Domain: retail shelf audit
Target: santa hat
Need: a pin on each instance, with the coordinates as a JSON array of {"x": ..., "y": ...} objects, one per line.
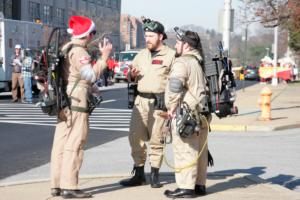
[{"x": 80, "y": 26}]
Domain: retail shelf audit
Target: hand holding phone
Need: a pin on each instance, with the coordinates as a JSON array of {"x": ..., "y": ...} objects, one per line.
[{"x": 105, "y": 47}]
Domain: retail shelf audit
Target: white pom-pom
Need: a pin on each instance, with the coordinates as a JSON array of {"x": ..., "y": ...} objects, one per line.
[
  {"x": 70, "y": 31},
  {"x": 87, "y": 73}
]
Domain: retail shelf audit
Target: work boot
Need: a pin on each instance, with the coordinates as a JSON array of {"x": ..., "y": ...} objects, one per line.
[
  {"x": 154, "y": 180},
  {"x": 73, "y": 194},
  {"x": 200, "y": 190},
  {"x": 137, "y": 179},
  {"x": 55, "y": 192},
  {"x": 180, "y": 193}
]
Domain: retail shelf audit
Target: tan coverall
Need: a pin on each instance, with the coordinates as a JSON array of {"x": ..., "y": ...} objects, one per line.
[
  {"x": 17, "y": 78},
  {"x": 71, "y": 135},
  {"x": 186, "y": 150},
  {"x": 146, "y": 123}
]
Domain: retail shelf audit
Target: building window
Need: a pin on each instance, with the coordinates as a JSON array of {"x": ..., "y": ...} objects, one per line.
[
  {"x": 6, "y": 8},
  {"x": 2, "y": 6},
  {"x": 47, "y": 14},
  {"x": 100, "y": 2},
  {"x": 108, "y": 3},
  {"x": 114, "y": 4},
  {"x": 59, "y": 16},
  {"x": 34, "y": 11}
]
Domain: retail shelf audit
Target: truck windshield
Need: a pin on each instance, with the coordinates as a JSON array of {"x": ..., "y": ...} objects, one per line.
[{"x": 126, "y": 56}]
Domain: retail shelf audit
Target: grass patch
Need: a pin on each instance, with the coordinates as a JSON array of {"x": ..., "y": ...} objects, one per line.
[{"x": 295, "y": 83}]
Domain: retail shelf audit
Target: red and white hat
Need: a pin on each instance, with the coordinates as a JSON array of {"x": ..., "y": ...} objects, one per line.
[{"x": 80, "y": 26}]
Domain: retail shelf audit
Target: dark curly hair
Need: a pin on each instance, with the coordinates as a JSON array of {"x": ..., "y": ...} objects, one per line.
[{"x": 196, "y": 44}]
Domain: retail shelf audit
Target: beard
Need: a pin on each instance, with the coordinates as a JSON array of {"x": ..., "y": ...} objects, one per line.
[
  {"x": 177, "y": 54},
  {"x": 153, "y": 46}
]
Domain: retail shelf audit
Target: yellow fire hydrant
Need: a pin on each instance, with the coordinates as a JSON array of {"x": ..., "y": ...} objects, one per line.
[{"x": 265, "y": 104}]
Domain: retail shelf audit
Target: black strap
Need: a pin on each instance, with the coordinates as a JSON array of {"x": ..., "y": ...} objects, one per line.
[
  {"x": 147, "y": 95},
  {"x": 64, "y": 54}
]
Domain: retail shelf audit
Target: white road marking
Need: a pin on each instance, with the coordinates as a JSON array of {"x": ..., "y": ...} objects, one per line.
[{"x": 101, "y": 119}]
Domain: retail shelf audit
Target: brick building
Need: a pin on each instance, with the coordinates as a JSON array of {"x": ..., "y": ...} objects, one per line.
[
  {"x": 132, "y": 33},
  {"x": 55, "y": 13}
]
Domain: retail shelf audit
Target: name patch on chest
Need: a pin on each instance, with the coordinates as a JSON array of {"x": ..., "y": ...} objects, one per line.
[{"x": 157, "y": 62}]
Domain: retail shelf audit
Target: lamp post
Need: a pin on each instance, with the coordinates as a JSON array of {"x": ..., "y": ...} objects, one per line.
[
  {"x": 226, "y": 24},
  {"x": 274, "y": 79},
  {"x": 268, "y": 51}
]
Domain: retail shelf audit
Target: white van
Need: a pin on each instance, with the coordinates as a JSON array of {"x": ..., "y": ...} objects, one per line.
[{"x": 13, "y": 32}]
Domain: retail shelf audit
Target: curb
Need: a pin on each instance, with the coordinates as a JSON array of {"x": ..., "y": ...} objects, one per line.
[
  {"x": 250, "y": 177},
  {"x": 250, "y": 128}
]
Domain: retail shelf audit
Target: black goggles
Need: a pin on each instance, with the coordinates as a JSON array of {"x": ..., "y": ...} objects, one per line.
[
  {"x": 151, "y": 26},
  {"x": 93, "y": 32},
  {"x": 181, "y": 35}
]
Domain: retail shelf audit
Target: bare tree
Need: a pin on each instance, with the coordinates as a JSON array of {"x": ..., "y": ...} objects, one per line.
[{"x": 271, "y": 13}]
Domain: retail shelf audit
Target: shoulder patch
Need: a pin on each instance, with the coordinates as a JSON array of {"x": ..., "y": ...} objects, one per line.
[{"x": 85, "y": 60}]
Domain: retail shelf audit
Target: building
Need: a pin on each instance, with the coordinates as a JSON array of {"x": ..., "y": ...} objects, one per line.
[
  {"x": 55, "y": 13},
  {"x": 132, "y": 33}
]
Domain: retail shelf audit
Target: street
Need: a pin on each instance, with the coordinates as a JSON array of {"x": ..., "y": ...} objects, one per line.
[{"x": 26, "y": 138}]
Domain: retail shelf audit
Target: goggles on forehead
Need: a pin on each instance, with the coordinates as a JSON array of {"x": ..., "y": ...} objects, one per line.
[
  {"x": 149, "y": 25},
  {"x": 181, "y": 35},
  {"x": 153, "y": 26}
]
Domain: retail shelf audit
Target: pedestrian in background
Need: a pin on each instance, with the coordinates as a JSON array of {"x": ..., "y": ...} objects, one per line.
[
  {"x": 111, "y": 63},
  {"x": 27, "y": 68},
  {"x": 150, "y": 68},
  {"x": 16, "y": 63}
]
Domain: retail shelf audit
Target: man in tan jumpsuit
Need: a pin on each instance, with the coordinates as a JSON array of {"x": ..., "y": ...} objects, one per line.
[
  {"x": 16, "y": 63},
  {"x": 150, "y": 68},
  {"x": 71, "y": 135},
  {"x": 188, "y": 85}
]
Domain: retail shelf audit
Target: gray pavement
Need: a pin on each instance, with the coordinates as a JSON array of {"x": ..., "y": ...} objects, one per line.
[
  {"x": 238, "y": 152},
  {"x": 220, "y": 186}
]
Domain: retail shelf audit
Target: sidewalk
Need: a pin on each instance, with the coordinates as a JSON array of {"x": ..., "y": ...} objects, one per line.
[
  {"x": 285, "y": 111},
  {"x": 219, "y": 187}
]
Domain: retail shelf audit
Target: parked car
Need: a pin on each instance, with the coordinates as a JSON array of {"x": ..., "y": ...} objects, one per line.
[
  {"x": 121, "y": 69},
  {"x": 251, "y": 73}
]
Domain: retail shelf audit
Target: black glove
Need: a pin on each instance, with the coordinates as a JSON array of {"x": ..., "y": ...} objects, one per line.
[
  {"x": 159, "y": 103},
  {"x": 210, "y": 159}
]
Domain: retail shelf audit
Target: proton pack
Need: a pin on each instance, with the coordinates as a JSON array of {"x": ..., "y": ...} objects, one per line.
[
  {"x": 48, "y": 73},
  {"x": 221, "y": 85}
]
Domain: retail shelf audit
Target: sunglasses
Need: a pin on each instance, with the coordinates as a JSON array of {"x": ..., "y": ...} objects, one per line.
[{"x": 93, "y": 32}]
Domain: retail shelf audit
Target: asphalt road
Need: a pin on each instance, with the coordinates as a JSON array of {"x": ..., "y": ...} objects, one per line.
[{"x": 26, "y": 144}]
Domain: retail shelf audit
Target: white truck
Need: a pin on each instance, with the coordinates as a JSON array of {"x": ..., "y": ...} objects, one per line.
[{"x": 12, "y": 32}]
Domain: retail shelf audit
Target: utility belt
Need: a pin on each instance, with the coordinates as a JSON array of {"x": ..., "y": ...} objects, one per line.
[
  {"x": 17, "y": 69},
  {"x": 146, "y": 95},
  {"x": 159, "y": 103},
  {"x": 92, "y": 101}
]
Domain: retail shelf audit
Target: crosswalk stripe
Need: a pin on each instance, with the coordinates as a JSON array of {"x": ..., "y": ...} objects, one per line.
[{"x": 101, "y": 119}]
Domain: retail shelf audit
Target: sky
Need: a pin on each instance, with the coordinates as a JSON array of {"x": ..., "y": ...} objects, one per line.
[{"x": 173, "y": 13}]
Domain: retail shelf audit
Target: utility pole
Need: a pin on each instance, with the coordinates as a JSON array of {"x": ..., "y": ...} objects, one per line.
[
  {"x": 226, "y": 24},
  {"x": 275, "y": 79}
]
